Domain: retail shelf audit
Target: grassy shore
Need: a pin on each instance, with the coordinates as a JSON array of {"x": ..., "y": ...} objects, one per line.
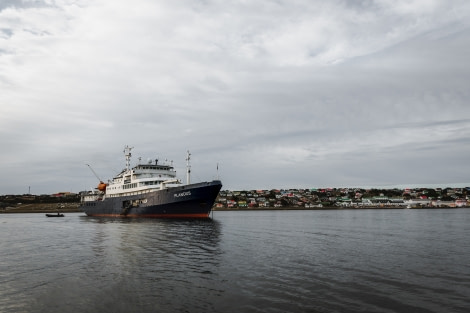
[{"x": 41, "y": 208}]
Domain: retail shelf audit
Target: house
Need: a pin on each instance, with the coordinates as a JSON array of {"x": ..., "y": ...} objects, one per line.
[{"x": 242, "y": 204}]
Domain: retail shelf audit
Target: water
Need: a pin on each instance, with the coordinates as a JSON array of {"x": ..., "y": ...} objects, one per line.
[{"x": 260, "y": 261}]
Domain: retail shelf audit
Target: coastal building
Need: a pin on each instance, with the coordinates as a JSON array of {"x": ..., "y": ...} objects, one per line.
[{"x": 242, "y": 204}]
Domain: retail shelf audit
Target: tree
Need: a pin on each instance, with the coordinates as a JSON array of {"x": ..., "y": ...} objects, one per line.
[{"x": 431, "y": 193}]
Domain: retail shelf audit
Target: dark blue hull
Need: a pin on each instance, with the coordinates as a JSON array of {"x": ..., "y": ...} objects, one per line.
[{"x": 189, "y": 201}]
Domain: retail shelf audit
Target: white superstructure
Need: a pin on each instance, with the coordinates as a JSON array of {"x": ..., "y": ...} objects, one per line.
[{"x": 142, "y": 178}]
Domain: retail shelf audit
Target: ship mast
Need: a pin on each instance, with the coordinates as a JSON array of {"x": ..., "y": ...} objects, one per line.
[
  {"x": 127, "y": 153},
  {"x": 188, "y": 168}
]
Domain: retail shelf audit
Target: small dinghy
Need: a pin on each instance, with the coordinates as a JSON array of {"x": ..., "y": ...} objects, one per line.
[{"x": 54, "y": 215}]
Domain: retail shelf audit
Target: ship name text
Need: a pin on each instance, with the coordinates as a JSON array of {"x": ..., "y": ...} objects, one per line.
[{"x": 182, "y": 194}]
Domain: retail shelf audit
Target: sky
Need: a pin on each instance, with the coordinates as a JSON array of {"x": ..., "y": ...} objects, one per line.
[{"x": 264, "y": 94}]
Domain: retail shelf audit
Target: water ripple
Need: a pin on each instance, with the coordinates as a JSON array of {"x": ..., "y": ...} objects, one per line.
[{"x": 261, "y": 261}]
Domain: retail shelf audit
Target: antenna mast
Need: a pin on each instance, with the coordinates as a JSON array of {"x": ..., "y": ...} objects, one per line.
[
  {"x": 127, "y": 153},
  {"x": 188, "y": 168}
]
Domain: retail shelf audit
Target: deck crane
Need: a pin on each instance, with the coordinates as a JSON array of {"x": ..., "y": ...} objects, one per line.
[{"x": 101, "y": 185}]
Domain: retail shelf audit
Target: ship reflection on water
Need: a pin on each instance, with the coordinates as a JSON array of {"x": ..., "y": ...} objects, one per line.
[
  {"x": 117, "y": 265},
  {"x": 153, "y": 265}
]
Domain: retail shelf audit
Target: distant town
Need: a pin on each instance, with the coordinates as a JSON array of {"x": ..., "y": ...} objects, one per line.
[
  {"x": 315, "y": 198},
  {"x": 343, "y": 197}
]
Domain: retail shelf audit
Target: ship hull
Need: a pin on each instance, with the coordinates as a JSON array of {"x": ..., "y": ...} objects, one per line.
[{"x": 189, "y": 201}]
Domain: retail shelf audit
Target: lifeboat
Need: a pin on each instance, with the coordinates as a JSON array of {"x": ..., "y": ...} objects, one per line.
[{"x": 101, "y": 186}]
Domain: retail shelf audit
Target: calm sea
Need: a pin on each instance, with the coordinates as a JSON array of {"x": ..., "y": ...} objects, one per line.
[{"x": 260, "y": 261}]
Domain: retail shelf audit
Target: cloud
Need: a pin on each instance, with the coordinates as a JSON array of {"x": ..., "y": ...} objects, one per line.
[{"x": 278, "y": 92}]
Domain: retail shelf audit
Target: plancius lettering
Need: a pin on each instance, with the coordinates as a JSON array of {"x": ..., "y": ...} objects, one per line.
[{"x": 182, "y": 194}]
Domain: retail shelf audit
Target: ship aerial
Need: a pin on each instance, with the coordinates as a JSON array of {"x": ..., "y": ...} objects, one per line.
[{"x": 150, "y": 190}]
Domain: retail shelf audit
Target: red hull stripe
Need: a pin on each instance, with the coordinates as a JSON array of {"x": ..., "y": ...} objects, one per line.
[{"x": 193, "y": 215}]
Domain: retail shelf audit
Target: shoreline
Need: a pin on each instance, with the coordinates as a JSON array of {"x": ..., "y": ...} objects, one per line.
[
  {"x": 73, "y": 208},
  {"x": 41, "y": 208},
  {"x": 336, "y": 208}
]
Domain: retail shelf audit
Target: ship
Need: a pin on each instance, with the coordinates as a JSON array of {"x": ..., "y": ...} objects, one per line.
[{"x": 150, "y": 189}]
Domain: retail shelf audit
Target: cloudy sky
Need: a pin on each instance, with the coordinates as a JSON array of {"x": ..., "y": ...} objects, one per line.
[{"x": 278, "y": 93}]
